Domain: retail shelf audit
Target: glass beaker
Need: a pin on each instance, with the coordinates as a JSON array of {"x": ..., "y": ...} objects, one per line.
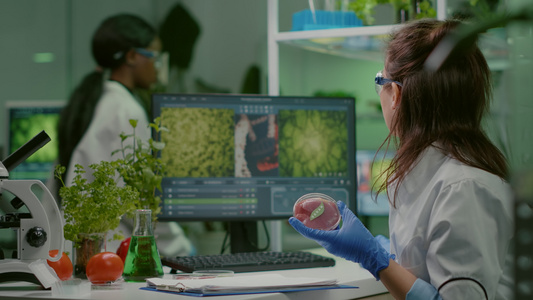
[
  {"x": 143, "y": 259},
  {"x": 88, "y": 246}
]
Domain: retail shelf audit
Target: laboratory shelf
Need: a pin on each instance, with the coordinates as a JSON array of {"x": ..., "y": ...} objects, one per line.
[{"x": 333, "y": 33}]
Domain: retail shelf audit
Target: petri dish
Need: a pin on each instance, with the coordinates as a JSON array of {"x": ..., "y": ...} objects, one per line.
[
  {"x": 71, "y": 287},
  {"x": 317, "y": 211}
]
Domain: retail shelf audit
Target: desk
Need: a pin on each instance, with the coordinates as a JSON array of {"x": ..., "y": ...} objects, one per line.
[{"x": 346, "y": 272}]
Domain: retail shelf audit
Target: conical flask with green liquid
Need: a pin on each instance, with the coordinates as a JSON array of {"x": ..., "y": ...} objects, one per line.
[{"x": 143, "y": 259}]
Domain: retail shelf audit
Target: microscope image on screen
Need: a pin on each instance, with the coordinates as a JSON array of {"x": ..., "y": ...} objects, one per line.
[
  {"x": 24, "y": 120},
  {"x": 24, "y": 128},
  {"x": 200, "y": 142},
  {"x": 370, "y": 167},
  {"x": 313, "y": 143},
  {"x": 250, "y": 157},
  {"x": 370, "y": 170},
  {"x": 256, "y": 145}
]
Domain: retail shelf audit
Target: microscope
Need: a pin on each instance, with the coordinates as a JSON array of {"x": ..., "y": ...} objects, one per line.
[{"x": 30, "y": 209}]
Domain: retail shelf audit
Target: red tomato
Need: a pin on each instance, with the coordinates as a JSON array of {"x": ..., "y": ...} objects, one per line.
[
  {"x": 63, "y": 266},
  {"x": 122, "y": 250},
  {"x": 104, "y": 267}
]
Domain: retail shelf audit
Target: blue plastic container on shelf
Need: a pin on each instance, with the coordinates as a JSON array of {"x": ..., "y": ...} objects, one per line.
[{"x": 303, "y": 20}]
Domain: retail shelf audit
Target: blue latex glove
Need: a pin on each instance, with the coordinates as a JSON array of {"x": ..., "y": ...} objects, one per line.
[
  {"x": 352, "y": 241},
  {"x": 383, "y": 241}
]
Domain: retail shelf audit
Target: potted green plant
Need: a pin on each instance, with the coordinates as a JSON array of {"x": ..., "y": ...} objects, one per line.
[
  {"x": 364, "y": 9},
  {"x": 405, "y": 9},
  {"x": 92, "y": 208},
  {"x": 141, "y": 167}
]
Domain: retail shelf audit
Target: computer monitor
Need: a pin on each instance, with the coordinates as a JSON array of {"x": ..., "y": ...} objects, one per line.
[
  {"x": 25, "y": 119},
  {"x": 370, "y": 164},
  {"x": 244, "y": 158}
]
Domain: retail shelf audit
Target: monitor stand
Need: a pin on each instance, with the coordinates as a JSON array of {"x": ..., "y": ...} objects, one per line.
[{"x": 243, "y": 236}]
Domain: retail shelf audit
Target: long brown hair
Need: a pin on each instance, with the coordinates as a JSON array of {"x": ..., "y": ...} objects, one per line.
[{"x": 443, "y": 108}]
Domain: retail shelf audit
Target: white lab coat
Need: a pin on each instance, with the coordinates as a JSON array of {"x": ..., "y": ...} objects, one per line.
[
  {"x": 111, "y": 118},
  {"x": 452, "y": 227}
]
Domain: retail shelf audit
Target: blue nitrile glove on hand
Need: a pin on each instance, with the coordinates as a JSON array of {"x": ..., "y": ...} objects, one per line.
[
  {"x": 383, "y": 241},
  {"x": 352, "y": 241}
]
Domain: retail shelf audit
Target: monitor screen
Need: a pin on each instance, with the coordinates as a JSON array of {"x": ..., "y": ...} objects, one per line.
[
  {"x": 25, "y": 119},
  {"x": 245, "y": 158},
  {"x": 369, "y": 167}
]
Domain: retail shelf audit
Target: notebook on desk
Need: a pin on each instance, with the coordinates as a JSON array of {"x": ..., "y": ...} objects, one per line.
[{"x": 246, "y": 284}]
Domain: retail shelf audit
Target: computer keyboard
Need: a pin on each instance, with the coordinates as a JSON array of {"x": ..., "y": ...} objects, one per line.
[{"x": 248, "y": 261}]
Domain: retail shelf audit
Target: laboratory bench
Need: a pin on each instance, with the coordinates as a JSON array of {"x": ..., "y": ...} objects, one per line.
[{"x": 346, "y": 272}]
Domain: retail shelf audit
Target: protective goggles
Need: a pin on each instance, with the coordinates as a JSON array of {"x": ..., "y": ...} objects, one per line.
[
  {"x": 155, "y": 55},
  {"x": 380, "y": 81}
]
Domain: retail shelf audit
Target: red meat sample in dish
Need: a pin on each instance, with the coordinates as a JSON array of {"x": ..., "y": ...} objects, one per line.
[{"x": 317, "y": 211}]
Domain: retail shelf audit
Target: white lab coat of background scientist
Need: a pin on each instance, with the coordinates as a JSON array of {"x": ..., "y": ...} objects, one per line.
[{"x": 111, "y": 118}]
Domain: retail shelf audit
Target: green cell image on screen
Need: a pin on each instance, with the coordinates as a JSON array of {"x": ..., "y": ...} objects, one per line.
[
  {"x": 313, "y": 143},
  {"x": 23, "y": 129},
  {"x": 200, "y": 142},
  {"x": 378, "y": 167}
]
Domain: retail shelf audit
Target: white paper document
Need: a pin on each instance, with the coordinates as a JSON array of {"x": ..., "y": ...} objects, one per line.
[{"x": 263, "y": 282}]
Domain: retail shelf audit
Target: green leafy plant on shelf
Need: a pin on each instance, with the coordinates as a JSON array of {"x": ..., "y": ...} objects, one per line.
[
  {"x": 93, "y": 207},
  {"x": 141, "y": 168},
  {"x": 425, "y": 10},
  {"x": 364, "y": 9}
]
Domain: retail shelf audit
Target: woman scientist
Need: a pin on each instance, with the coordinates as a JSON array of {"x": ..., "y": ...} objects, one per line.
[
  {"x": 99, "y": 109},
  {"x": 450, "y": 217},
  {"x": 125, "y": 48}
]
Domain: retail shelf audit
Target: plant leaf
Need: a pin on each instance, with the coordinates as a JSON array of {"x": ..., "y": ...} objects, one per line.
[
  {"x": 158, "y": 145},
  {"x": 133, "y": 123}
]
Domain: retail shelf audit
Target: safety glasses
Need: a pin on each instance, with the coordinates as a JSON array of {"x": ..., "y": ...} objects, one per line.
[
  {"x": 380, "y": 81},
  {"x": 147, "y": 53},
  {"x": 156, "y": 56}
]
